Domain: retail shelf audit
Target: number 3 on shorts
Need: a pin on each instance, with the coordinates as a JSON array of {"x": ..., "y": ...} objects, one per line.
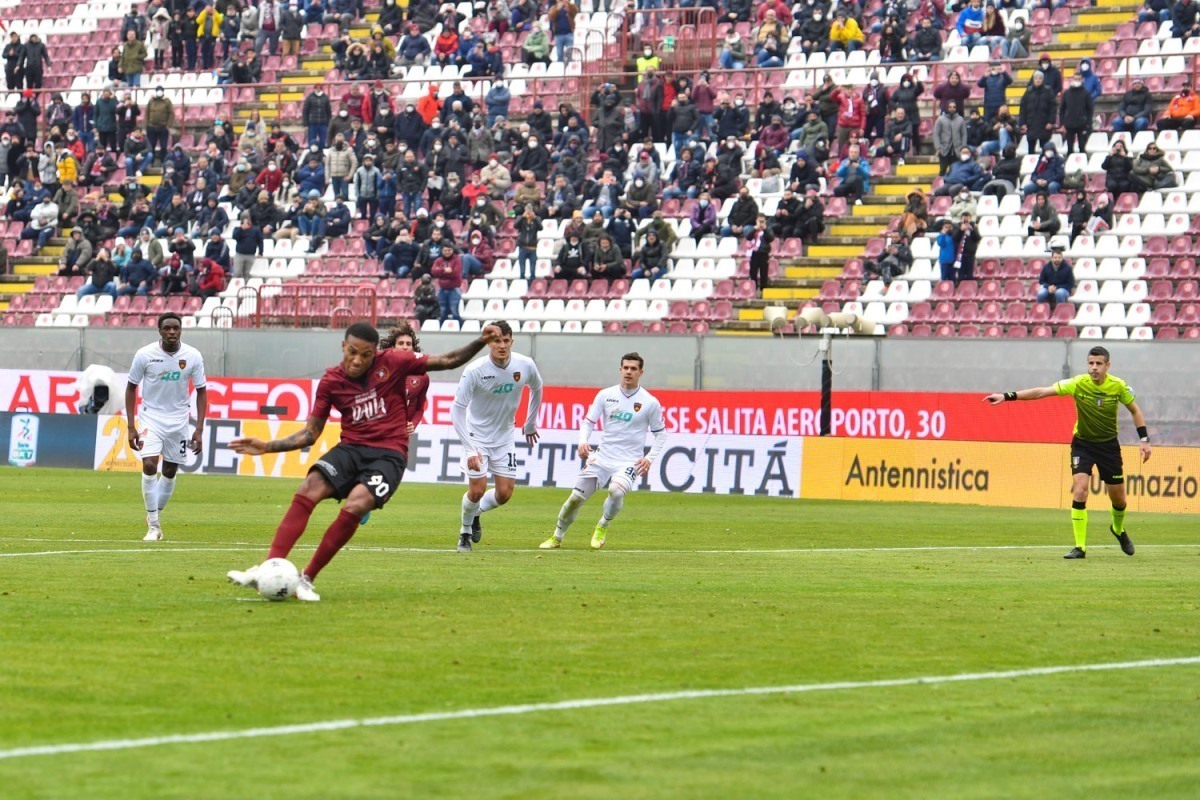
[{"x": 376, "y": 483}]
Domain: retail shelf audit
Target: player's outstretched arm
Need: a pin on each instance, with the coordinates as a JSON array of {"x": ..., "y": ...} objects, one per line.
[
  {"x": 456, "y": 358},
  {"x": 1036, "y": 393},
  {"x": 253, "y": 446}
]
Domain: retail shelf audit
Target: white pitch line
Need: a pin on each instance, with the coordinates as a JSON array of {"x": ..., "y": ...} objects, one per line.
[
  {"x": 243, "y": 547},
  {"x": 574, "y": 705}
]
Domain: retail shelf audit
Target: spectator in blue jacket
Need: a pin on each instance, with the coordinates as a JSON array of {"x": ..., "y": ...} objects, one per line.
[
  {"x": 963, "y": 173},
  {"x": 1048, "y": 173},
  {"x": 1185, "y": 20},
  {"x": 497, "y": 101},
  {"x": 137, "y": 276},
  {"x": 1090, "y": 81},
  {"x": 414, "y": 48},
  {"x": 855, "y": 174},
  {"x": 995, "y": 85},
  {"x": 310, "y": 176},
  {"x": 947, "y": 251},
  {"x": 970, "y": 23}
]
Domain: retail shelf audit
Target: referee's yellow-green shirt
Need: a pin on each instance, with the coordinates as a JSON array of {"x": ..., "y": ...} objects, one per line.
[{"x": 1096, "y": 405}]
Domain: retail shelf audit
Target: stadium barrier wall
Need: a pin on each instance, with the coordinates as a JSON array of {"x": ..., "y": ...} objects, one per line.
[
  {"x": 1025, "y": 475},
  {"x": 1163, "y": 373}
]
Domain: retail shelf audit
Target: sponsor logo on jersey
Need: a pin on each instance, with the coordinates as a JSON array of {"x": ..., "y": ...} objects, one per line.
[
  {"x": 486, "y": 377},
  {"x": 637, "y": 406},
  {"x": 183, "y": 363},
  {"x": 516, "y": 376},
  {"x": 610, "y": 400}
]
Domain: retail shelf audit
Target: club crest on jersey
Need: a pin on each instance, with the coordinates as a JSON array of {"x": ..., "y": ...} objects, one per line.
[
  {"x": 637, "y": 407},
  {"x": 183, "y": 363},
  {"x": 516, "y": 376},
  {"x": 382, "y": 373}
]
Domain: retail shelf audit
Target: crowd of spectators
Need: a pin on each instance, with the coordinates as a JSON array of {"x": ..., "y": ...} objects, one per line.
[{"x": 440, "y": 186}]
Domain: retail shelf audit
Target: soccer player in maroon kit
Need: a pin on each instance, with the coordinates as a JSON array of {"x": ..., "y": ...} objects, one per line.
[{"x": 370, "y": 390}]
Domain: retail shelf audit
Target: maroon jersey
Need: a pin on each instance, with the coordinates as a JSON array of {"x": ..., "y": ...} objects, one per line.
[
  {"x": 416, "y": 386},
  {"x": 375, "y": 407}
]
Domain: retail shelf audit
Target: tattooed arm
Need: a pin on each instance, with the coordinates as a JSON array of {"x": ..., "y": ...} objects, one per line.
[
  {"x": 306, "y": 437},
  {"x": 456, "y": 358}
]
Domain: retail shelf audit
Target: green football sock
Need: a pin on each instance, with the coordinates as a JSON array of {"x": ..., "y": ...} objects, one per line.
[
  {"x": 1079, "y": 526},
  {"x": 1118, "y": 518}
]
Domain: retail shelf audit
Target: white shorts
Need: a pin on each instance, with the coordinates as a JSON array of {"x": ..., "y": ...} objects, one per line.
[
  {"x": 624, "y": 474},
  {"x": 499, "y": 460},
  {"x": 170, "y": 443}
]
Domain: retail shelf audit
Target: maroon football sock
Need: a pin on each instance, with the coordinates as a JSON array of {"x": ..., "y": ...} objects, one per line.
[
  {"x": 335, "y": 539},
  {"x": 291, "y": 528}
]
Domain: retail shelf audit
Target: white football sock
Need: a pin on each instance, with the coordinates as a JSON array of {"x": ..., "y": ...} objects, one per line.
[
  {"x": 166, "y": 487},
  {"x": 469, "y": 511},
  {"x": 488, "y": 501},
  {"x": 568, "y": 512},
  {"x": 612, "y": 506},
  {"x": 150, "y": 497}
]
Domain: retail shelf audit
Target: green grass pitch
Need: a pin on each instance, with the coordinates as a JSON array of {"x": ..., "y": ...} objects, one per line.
[{"x": 103, "y": 637}]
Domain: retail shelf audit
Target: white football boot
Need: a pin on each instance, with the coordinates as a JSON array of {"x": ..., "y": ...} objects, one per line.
[
  {"x": 247, "y": 578},
  {"x": 305, "y": 591},
  {"x": 153, "y": 532}
]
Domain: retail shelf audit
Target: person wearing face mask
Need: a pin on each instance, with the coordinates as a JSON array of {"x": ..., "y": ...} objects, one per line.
[
  {"x": 647, "y": 61},
  {"x": 1075, "y": 113},
  {"x": 892, "y": 41},
  {"x": 1182, "y": 112},
  {"x": 341, "y": 165},
  {"x": 1039, "y": 112},
  {"x": 315, "y": 114},
  {"x": 814, "y": 33},
  {"x": 949, "y": 137},
  {"x": 964, "y": 176},
  {"x": 160, "y": 116},
  {"x": 1051, "y": 75},
  {"x": 995, "y": 90},
  {"x": 1048, "y": 173},
  {"x": 1016, "y": 41},
  {"x": 1079, "y": 214}
]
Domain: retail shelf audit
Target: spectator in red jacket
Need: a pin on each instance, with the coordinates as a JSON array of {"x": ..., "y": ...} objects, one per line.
[
  {"x": 479, "y": 258},
  {"x": 210, "y": 279},
  {"x": 270, "y": 178},
  {"x": 447, "y": 273},
  {"x": 851, "y": 118}
]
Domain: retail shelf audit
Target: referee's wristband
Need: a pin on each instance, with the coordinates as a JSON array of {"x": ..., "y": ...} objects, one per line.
[
  {"x": 1010, "y": 395},
  {"x": 1143, "y": 434}
]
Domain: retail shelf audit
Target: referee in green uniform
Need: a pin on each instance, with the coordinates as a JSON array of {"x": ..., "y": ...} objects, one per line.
[{"x": 1094, "y": 443}]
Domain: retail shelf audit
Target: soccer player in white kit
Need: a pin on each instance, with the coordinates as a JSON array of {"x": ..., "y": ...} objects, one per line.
[
  {"x": 167, "y": 371},
  {"x": 484, "y": 413},
  {"x": 627, "y": 412}
]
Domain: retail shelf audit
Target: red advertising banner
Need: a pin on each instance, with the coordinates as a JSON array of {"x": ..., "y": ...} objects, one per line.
[{"x": 859, "y": 415}]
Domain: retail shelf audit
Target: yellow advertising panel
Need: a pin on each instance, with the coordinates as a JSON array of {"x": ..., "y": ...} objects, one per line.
[
  {"x": 992, "y": 474},
  {"x": 290, "y": 464}
]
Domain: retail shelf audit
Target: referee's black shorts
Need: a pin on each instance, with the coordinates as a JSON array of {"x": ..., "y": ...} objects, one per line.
[
  {"x": 1104, "y": 456},
  {"x": 347, "y": 465}
]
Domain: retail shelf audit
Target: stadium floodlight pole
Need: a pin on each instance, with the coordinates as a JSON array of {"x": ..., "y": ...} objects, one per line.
[{"x": 828, "y": 325}]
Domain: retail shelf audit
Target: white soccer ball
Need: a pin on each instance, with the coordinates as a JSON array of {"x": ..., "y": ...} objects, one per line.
[{"x": 277, "y": 579}]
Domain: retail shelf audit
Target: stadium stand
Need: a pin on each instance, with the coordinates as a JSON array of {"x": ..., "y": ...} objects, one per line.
[{"x": 580, "y": 92}]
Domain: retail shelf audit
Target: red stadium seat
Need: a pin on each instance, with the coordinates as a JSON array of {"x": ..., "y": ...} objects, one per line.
[
  {"x": 1016, "y": 332},
  {"x": 922, "y": 330},
  {"x": 1066, "y": 332},
  {"x": 1041, "y": 332}
]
